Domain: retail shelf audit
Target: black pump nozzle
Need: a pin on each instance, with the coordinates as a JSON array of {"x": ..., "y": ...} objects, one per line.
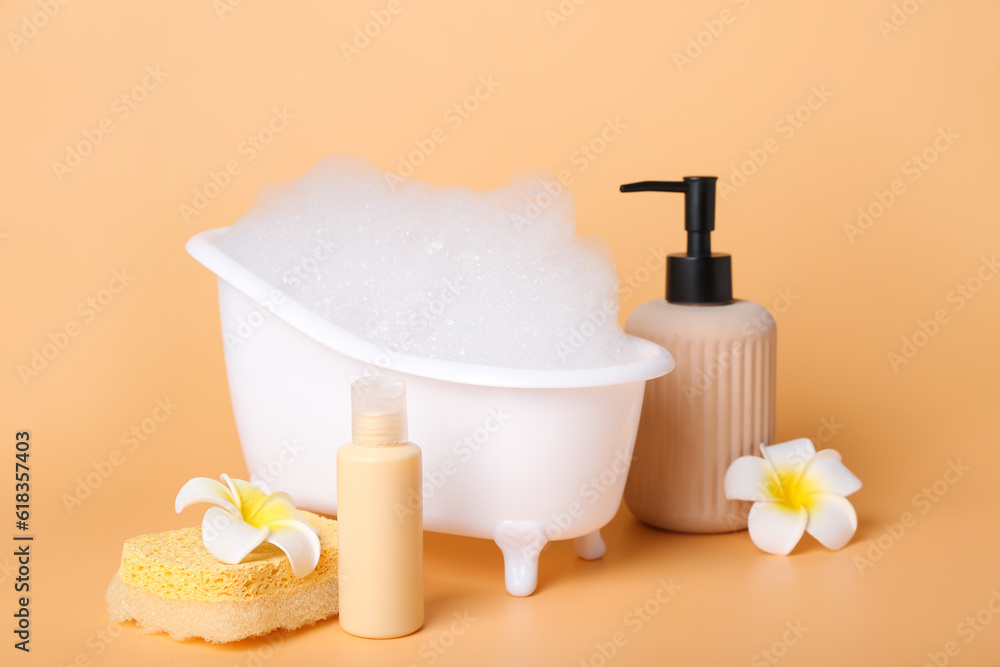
[{"x": 699, "y": 276}]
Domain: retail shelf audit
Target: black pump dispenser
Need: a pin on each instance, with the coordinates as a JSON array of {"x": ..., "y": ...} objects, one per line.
[{"x": 700, "y": 276}]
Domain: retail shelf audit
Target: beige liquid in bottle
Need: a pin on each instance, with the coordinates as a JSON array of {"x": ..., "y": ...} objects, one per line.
[
  {"x": 380, "y": 516},
  {"x": 717, "y": 405}
]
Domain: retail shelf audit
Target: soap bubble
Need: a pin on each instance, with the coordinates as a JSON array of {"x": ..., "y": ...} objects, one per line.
[{"x": 496, "y": 277}]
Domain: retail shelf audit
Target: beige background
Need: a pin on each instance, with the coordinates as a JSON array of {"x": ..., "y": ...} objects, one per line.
[{"x": 198, "y": 80}]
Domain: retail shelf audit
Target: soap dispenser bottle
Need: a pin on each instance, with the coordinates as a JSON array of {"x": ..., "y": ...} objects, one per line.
[{"x": 718, "y": 404}]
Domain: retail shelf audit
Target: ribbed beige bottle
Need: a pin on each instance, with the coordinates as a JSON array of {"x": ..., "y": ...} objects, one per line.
[
  {"x": 380, "y": 516},
  {"x": 717, "y": 405}
]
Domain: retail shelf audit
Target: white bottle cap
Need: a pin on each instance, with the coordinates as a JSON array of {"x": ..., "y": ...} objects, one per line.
[{"x": 378, "y": 411}]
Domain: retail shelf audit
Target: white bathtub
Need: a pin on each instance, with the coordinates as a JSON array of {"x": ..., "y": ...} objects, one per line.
[{"x": 521, "y": 457}]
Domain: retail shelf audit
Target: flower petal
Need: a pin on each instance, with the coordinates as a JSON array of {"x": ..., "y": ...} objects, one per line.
[
  {"x": 205, "y": 490},
  {"x": 234, "y": 492},
  {"x": 789, "y": 458},
  {"x": 832, "y": 519},
  {"x": 825, "y": 472},
  {"x": 775, "y": 527},
  {"x": 750, "y": 478},
  {"x": 250, "y": 497},
  {"x": 228, "y": 537},
  {"x": 277, "y": 506},
  {"x": 300, "y": 544}
]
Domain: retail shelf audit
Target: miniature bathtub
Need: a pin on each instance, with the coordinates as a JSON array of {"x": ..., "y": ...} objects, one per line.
[{"x": 522, "y": 457}]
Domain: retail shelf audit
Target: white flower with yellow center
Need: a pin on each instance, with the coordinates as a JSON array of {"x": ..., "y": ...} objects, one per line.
[
  {"x": 246, "y": 517},
  {"x": 795, "y": 489}
]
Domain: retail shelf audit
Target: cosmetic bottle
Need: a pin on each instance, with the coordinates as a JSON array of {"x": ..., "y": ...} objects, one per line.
[
  {"x": 718, "y": 404},
  {"x": 380, "y": 516}
]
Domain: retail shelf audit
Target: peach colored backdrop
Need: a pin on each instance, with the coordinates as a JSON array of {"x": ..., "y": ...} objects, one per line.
[{"x": 856, "y": 145}]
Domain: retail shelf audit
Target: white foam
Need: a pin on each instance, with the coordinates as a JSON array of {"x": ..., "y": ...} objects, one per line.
[{"x": 498, "y": 277}]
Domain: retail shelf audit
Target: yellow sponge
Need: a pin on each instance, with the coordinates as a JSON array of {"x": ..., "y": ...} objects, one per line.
[{"x": 169, "y": 582}]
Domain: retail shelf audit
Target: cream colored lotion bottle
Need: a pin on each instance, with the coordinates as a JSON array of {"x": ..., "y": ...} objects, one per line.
[
  {"x": 718, "y": 404},
  {"x": 380, "y": 516}
]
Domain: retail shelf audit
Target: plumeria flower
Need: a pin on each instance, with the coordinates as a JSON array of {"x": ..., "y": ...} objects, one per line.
[
  {"x": 246, "y": 517},
  {"x": 795, "y": 489}
]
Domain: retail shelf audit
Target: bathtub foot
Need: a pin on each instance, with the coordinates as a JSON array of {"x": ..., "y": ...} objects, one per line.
[
  {"x": 520, "y": 542},
  {"x": 589, "y": 546}
]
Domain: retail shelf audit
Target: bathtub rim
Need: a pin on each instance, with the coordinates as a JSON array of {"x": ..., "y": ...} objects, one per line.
[{"x": 202, "y": 247}]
